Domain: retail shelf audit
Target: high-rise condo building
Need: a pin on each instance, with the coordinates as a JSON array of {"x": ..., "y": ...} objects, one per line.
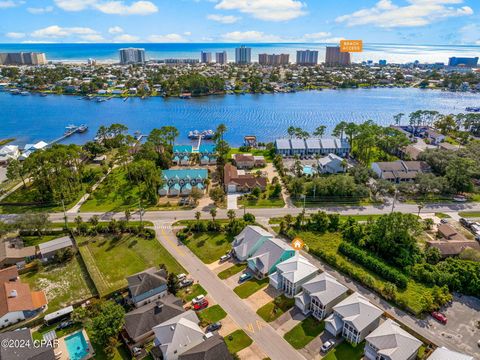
[
  {"x": 23, "y": 58},
  {"x": 307, "y": 57},
  {"x": 243, "y": 55},
  {"x": 465, "y": 62},
  {"x": 221, "y": 57},
  {"x": 334, "y": 57},
  {"x": 205, "y": 57},
  {"x": 273, "y": 59},
  {"x": 132, "y": 56}
]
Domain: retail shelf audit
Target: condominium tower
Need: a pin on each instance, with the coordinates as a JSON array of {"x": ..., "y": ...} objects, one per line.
[
  {"x": 221, "y": 57},
  {"x": 243, "y": 55},
  {"x": 132, "y": 56},
  {"x": 23, "y": 58},
  {"x": 205, "y": 57},
  {"x": 307, "y": 57},
  {"x": 334, "y": 57},
  {"x": 273, "y": 59}
]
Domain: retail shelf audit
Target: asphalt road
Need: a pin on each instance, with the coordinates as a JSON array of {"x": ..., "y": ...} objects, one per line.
[{"x": 262, "y": 333}]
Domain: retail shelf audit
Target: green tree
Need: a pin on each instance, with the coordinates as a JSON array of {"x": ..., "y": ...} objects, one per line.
[
  {"x": 459, "y": 174},
  {"x": 107, "y": 323}
]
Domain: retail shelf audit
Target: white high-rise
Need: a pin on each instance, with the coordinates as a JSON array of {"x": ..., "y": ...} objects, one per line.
[{"x": 132, "y": 56}]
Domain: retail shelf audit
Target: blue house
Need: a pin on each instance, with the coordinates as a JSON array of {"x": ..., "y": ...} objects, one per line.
[
  {"x": 147, "y": 286},
  {"x": 182, "y": 154},
  {"x": 265, "y": 260},
  {"x": 207, "y": 154},
  {"x": 180, "y": 182}
]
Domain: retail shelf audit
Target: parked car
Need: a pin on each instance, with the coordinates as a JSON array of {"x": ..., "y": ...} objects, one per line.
[
  {"x": 444, "y": 221},
  {"x": 439, "y": 317},
  {"x": 198, "y": 299},
  {"x": 245, "y": 277},
  {"x": 136, "y": 351},
  {"x": 465, "y": 222},
  {"x": 200, "y": 305},
  {"x": 327, "y": 345},
  {"x": 225, "y": 257},
  {"x": 184, "y": 283},
  {"x": 181, "y": 277},
  {"x": 213, "y": 327},
  {"x": 64, "y": 325},
  {"x": 459, "y": 198}
]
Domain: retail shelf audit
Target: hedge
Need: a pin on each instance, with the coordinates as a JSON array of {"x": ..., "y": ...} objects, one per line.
[{"x": 372, "y": 263}]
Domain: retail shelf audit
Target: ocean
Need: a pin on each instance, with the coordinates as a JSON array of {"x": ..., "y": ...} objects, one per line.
[
  {"x": 34, "y": 118},
  {"x": 396, "y": 53}
]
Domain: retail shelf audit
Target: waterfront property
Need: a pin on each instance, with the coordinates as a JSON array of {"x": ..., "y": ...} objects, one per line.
[
  {"x": 147, "y": 286},
  {"x": 265, "y": 260},
  {"x": 354, "y": 318},
  {"x": 249, "y": 241},
  {"x": 182, "y": 154},
  {"x": 312, "y": 146},
  {"x": 390, "y": 342},
  {"x": 207, "y": 154},
  {"x": 400, "y": 171},
  {"x": 332, "y": 164},
  {"x": 181, "y": 182},
  {"x": 248, "y": 161},
  {"x": 239, "y": 181},
  {"x": 291, "y": 274},
  {"x": 320, "y": 295},
  {"x": 9, "y": 152}
]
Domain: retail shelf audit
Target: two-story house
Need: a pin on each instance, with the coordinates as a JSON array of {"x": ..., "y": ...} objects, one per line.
[
  {"x": 320, "y": 295},
  {"x": 291, "y": 274},
  {"x": 354, "y": 318},
  {"x": 249, "y": 241},
  {"x": 147, "y": 286},
  {"x": 265, "y": 260}
]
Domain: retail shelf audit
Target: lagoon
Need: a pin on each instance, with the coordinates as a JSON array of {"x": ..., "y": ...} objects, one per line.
[{"x": 33, "y": 118}]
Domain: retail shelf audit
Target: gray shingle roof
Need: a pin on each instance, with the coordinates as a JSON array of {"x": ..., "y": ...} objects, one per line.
[
  {"x": 443, "y": 353},
  {"x": 213, "y": 348},
  {"x": 358, "y": 311},
  {"x": 324, "y": 287},
  {"x": 145, "y": 281},
  {"x": 55, "y": 245}
]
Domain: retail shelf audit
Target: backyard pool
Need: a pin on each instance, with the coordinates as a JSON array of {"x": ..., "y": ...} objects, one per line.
[
  {"x": 308, "y": 170},
  {"x": 77, "y": 346}
]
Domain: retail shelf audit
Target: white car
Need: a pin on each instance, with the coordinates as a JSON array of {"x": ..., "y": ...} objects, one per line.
[
  {"x": 181, "y": 277},
  {"x": 327, "y": 345},
  {"x": 199, "y": 299}
]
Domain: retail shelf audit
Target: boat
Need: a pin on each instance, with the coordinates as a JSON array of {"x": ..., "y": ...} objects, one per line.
[
  {"x": 25, "y": 93},
  {"x": 472, "y": 109},
  {"x": 82, "y": 128},
  {"x": 126, "y": 98},
  {"x": 43, "y": 95},
  {"x": 15, "y": 92}
]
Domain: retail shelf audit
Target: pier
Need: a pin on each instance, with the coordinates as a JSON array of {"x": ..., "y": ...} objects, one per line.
[{"x": 73, "y": 129}]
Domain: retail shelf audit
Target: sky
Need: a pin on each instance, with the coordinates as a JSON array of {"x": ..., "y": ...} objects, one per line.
[{"x": 426, "y": 22}]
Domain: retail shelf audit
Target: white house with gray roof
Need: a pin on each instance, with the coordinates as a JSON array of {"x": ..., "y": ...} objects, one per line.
[
  {"x": 354, "y": 318},
  {"x": 265, "y": 260},
  {"x": 249, "y": 241},
  {"x": 332, "y": 164},
  {"x": 312, "y": 146},
  {"x": 442, "y": 353},
  {"x": 320, "y": 295},
  {"x": 390, "y": 342},
  {"x": 291, "y": 274}
]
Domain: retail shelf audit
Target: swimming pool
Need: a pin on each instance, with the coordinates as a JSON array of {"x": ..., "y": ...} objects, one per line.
[
  {"x": 308, "y": 170},
  {"x": 77, "y": 346}
]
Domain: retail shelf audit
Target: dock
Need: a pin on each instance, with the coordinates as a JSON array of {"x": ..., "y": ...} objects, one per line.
[{"x": 72, "y": 130}]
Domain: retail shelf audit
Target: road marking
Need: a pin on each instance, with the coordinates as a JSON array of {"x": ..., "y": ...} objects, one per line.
[
  {"x": 175, "y": 246},
  {"x": 250, "y": 328},
  {"x": 260, "y": 325}
]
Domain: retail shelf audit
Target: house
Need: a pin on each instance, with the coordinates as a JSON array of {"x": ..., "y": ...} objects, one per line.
[
  {"x": 332, "y": 164},
  {"x": 442, "y": 353},
  {"x": 400, "y": 171},
  {"x": 139, "y": 322},
  {"x": 182, "y": 154},
  {"x": 17, "y": 301},
  {"x": 390, "y": 342},
  {"x": 312, "y": 146},
  {"x": 249, "y": 241},
  {"x": 24, "y": 336},
  {"x": 248, "y": 161},
  {"x": 354, "y": 318},
  {"x": 207, "y": 154},
  {"x": 213, "y": 348},
  {"x": 412, "y": 152},
  {"x": 9, "y": 152},
  {"x": 49, "y": 249},
  {"x": 291, "y": 274},
  {"x": 319, "y": 295},
  {"x": 435, "y": 137},
  {"x": 272, "y": 252},
  {"x": 147, "y": 286},
  {"x": 13, "y": 252},
  {"x": 177, "y": 335},
  {"x": 238, "y": 181},
  {"x": 30, "y": 148},
  {"x": 181, "y": 181},
  {"x": 453, "y": 247},
  {"x": 449, "y": 233}
]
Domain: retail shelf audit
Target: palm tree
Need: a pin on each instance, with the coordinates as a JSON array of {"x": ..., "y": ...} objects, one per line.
[
  {"x": 198, "y": 215},
  {"x": 128, "y": 215},
  {"x": 213, "y": 213},
  {"x": 398, "y": 118},
  {"x": 231, "y": 215},
  {"x": 78, "y": 221},
  {"x": 320, "y": 131}
]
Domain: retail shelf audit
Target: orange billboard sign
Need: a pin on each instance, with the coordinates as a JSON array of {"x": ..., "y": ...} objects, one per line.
[{"x": 351, "y": 45}]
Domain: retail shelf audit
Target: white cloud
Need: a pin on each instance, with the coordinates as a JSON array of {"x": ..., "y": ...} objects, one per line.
[
  {"x": 470, "y": 34},
  {"x": 15, "y": 35},
  {"x": 115, "y": 30},
  {"x": 56, "y": 31},
  {"x": 116, "y": 7},
  {"x": 40, "y": 10},
  {"x": 268, "y": 10},
  {"x": 224, "y": 19},
  {"x": 321, "y": 37},
  {"x": 250, "y": 36},
  {"x": 10, "y": 3},
  {"x": 168, "y": 38},
  {"x": 126, "y": 38},
  {"x": 386, "y": 14}
]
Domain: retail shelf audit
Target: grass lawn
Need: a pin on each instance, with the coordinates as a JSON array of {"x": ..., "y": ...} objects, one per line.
[
  {"x": 469, "y": 214},
  {"x": 36, "y": 240},
  {"x": 237, "y": 341},
  {"x": 38, "y": 335},
  {"x": 328, "y": 243},
  {"x": 110, "y": 259},
  {"x": 235, "y": 269},
  {"x": 209, "y": 247},
  {"x": 191, "y": 292},
  {"x": 61, "y": 225},
  {"x": 63, "y": 284},
  {"x": 346, "y": 351},
  {"x": 211, "y": 315},
  {"x": 305, "y": 332},
  {"x": 274, "y": 309},
  {"x": 442, "y": 215},
  {"x": 255, "y": 152},
  {"x": 250, "y": 287},
  {"x": 262, "y": 203}
]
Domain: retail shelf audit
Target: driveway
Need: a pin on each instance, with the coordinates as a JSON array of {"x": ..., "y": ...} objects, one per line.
[
  {"x": 232, "y": 201},
  {"x": 288, "y": 321},
  {"x": 253, "y": 352},
  {"x": 262, "y": 297},
  {"x": 312, "y": 350}
]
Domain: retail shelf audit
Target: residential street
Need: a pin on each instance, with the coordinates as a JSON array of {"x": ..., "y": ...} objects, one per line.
[{"x": 262, "y": 333}]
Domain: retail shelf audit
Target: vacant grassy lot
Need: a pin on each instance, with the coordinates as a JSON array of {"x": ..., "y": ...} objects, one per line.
[
  {"x": 250, "y": 287},
  {"x": 469, "y": 214},
  {"x": 209, "y": 247},
  {"x": 191, "y": 292},
  {"x": 211, "y": 315},
  {"x": 305, "y": 332},
  {"x": 328, "y": 243},
  {"x": 111, "y": 259},
  {"x": 346, "y": 351},
  {"x": 274, "y": 309},
  {"x": 238, "y": 340},
  {"x": 235, "y": 269},
  {"x": 442, "y": 215},
  {"x": 63, "y": 284}
]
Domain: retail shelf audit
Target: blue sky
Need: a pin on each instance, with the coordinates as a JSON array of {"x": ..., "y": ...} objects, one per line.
[{"x": 374, "y": 21}]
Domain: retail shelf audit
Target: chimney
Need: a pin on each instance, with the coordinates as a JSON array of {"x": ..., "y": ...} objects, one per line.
[
  {"x": 158, "y": 307},
  {"x": 13, "y": 294}
]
